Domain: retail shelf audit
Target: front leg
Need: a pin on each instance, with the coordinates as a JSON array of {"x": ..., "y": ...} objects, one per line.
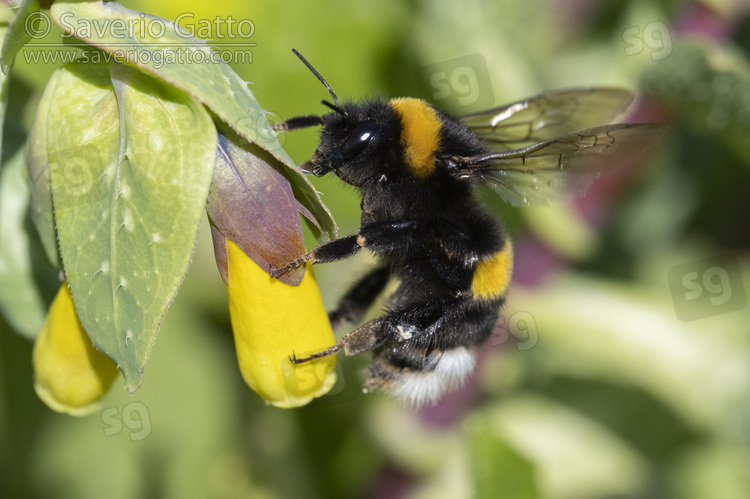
[
  {"x": 383, "y": 237},
  {"x": 376, "y": 236},
  {"x": 337, "y": 249}
]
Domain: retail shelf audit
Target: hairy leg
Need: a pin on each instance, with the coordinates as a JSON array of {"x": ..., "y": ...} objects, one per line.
[{"x": 358, "y": 299}]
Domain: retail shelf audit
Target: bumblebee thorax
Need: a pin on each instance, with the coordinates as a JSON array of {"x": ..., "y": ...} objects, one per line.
[{"x": 420, "y": 134}]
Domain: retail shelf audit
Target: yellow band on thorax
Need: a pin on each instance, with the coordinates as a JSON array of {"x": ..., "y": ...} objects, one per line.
[{"x": 420, "y": 136}]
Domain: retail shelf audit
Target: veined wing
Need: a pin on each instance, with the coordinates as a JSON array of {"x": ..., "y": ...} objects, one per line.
[
  {"x": 560, "y": 166},
  {"x": 547, "y": 116}
]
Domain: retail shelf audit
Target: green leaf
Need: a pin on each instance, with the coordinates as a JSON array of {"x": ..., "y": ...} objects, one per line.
[
  {"x": 20, "y": 301},
  {"x": 5, "y": 16},
  {"x": 180, "y": 59},
  {"x": 38, "y": 165},
  {"x": 19, "y": 32},
  {"x": 499, "y": 471},
  {"x": 131, "y": 160}
]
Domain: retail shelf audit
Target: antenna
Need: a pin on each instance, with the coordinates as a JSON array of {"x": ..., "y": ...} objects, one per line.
[
  {"x": 331, "y": 106},
  {"x": 319, "y": 76}
]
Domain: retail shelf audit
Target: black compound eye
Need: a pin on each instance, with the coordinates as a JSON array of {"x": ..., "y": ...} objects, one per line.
[{"x": 356, "y": 142}]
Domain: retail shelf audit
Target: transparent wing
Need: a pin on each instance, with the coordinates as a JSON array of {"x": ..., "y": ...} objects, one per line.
[
  {"x": 547, "y": 116},
  {"x": 560, "y": 166}
]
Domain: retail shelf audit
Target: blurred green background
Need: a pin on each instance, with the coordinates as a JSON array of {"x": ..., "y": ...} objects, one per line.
[{"x": 622, "y": 369}]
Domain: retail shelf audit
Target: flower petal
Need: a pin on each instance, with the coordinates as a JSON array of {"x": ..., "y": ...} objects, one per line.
[
  {"x": 71, "y": 375},
  {"x": 271, "y": 320}
]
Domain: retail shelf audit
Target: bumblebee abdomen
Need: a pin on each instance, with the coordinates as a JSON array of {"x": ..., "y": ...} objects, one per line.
[
  {"x": 439, "y": 371},
  {"x": 492, "y": 277}
]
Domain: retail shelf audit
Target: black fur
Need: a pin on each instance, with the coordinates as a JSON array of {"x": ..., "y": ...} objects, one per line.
[{"x": 430, "y": 233}]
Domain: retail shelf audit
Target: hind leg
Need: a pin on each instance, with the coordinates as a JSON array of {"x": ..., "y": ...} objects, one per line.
[
  {"x": 363, "y": 339},
  {"x": 412, "y": 327}
]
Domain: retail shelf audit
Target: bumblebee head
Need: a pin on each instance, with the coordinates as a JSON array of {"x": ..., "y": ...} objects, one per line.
[
  {"x": 357, "y": 143},
  {"x": 350, "y": 137}
]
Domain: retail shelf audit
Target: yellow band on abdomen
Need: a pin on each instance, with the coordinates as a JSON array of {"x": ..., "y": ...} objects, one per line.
[{"x": 492, "y": 277}]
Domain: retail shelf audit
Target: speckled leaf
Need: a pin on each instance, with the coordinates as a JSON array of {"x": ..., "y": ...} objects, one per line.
[
  {"x": 130, "y": 165},
  {"x": 18, "y": 31},
  {"x": 197, "y": 71},
  {"x": 251, "y": 203}
]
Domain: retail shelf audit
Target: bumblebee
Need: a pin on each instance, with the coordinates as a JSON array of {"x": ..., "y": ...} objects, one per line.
[{"x": 417, "y": 169}]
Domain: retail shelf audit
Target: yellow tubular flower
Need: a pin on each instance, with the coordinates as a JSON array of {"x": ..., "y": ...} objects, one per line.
[
  {"x": 271, "y": 320},
  {"x": 71, "y": 375}
]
